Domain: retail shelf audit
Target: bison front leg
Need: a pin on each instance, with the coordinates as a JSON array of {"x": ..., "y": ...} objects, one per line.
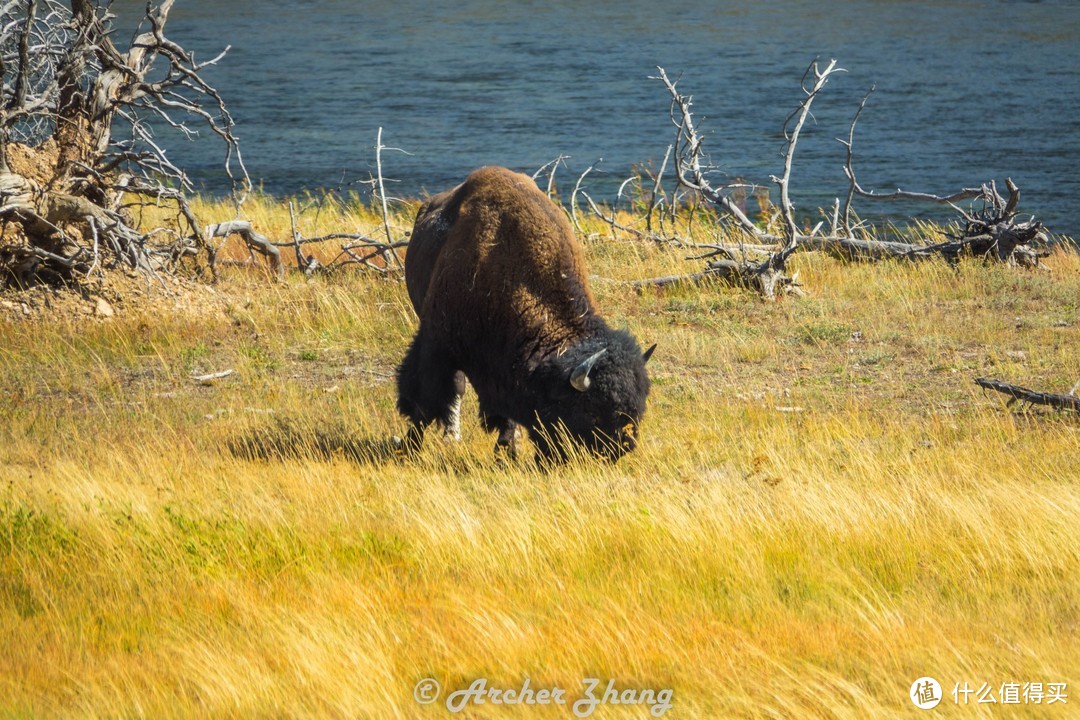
[
  {"x": 506, "y": 447},
  {"x": 509, "y": 441},
  {"x": 429, "y": 390},
  {"x": 452, "y": 427}
]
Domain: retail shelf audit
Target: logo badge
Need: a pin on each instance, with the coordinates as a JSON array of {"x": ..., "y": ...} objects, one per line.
[{"x": 925, "y": 693}]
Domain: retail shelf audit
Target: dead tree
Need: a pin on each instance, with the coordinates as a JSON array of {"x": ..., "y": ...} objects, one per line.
[
  {"x": 79, "y": 158},
  {"x": 990, "y": 231},
  {"x": 990, "y": 228},
  {"x": 768, "y": 275}
]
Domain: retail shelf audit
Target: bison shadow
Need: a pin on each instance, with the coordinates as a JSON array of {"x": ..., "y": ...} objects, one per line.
[
  {"x": 284, "y": 439},
  {"x": 281, "y": 439}
]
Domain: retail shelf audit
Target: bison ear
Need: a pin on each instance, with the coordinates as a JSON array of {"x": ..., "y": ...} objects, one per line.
[
  {"x": 579, "y": 379},
  {"x": 647, "y": 354}
]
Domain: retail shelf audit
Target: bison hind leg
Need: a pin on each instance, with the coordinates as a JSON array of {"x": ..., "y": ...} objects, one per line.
[{"x": 429, "y": 390}]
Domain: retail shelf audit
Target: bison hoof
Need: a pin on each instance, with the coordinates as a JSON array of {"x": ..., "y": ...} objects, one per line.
[
  {"x": 408, "y": 445},
  {"x": 505, "y": 455},
  {"x": 398, "y": 445},
  {"x": 506, "y": 447}
]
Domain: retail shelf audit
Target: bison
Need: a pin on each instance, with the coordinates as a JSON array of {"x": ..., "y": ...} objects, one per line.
[{"x": 499, "y": 282}]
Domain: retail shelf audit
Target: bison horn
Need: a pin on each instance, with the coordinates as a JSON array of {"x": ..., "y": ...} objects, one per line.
[
  {"x": 647, "y": 354},
  {"x": 580, "y": 377}
]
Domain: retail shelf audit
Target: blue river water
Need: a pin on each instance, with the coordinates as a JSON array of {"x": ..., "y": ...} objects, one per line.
[{"x": 966, "y": 91}]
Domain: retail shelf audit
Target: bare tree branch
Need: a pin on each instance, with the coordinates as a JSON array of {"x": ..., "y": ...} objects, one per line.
[
  {"x": 689, "y": 156},
  {"x": 856, "y": 189},
  {"x": 550, "y": 167},
  {"x": 820, "y": 78}
]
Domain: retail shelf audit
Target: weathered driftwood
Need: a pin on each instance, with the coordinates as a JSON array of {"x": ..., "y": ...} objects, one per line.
[
  {"x": 849, "y": 248},
  {"x": 255, "y": 241},
  {"x": 767, "y": 276},
  {"x": 209, "y": 378},
  {"x": 1017, "y": 393},
  {"x": 731, "y": 272},
  {"x": 359, "y": 248},
  {"x": 1006, "y": 244},
  {"x": 992, "y": 231}
]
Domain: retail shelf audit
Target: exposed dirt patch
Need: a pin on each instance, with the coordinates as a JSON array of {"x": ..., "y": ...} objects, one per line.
[
  {"x": 37, "y": 164},
  {"x": 107, "y": 296}
]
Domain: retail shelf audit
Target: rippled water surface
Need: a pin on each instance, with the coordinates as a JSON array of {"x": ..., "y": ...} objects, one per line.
[{"x": 966, "y": 91}]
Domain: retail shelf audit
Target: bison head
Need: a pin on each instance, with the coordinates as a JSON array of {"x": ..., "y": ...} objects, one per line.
[{"x": 593, "y": 397}]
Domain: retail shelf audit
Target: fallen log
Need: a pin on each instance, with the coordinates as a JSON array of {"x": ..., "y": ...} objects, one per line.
[
  {"x": 982, "y": 245},
  {"x": 1033, "y": 397},
  {"x": 752, "y": 276},
  {"x": 850, "y": 248}
]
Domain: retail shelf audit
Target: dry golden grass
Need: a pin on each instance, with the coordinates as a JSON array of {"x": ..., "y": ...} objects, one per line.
[{"x": 824, "y": 507}]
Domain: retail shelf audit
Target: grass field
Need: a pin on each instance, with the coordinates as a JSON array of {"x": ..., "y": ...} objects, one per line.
[{"x": 824, "y": 507}]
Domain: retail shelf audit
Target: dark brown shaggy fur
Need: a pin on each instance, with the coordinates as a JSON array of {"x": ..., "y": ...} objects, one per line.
[{"x": 500, "y": 285}]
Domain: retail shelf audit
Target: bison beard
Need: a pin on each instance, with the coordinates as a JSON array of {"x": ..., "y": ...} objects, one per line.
[{"x": 499, "y": 282}]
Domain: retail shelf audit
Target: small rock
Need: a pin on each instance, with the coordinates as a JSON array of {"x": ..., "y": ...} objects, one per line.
[{"x": 103, "y": 308}]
